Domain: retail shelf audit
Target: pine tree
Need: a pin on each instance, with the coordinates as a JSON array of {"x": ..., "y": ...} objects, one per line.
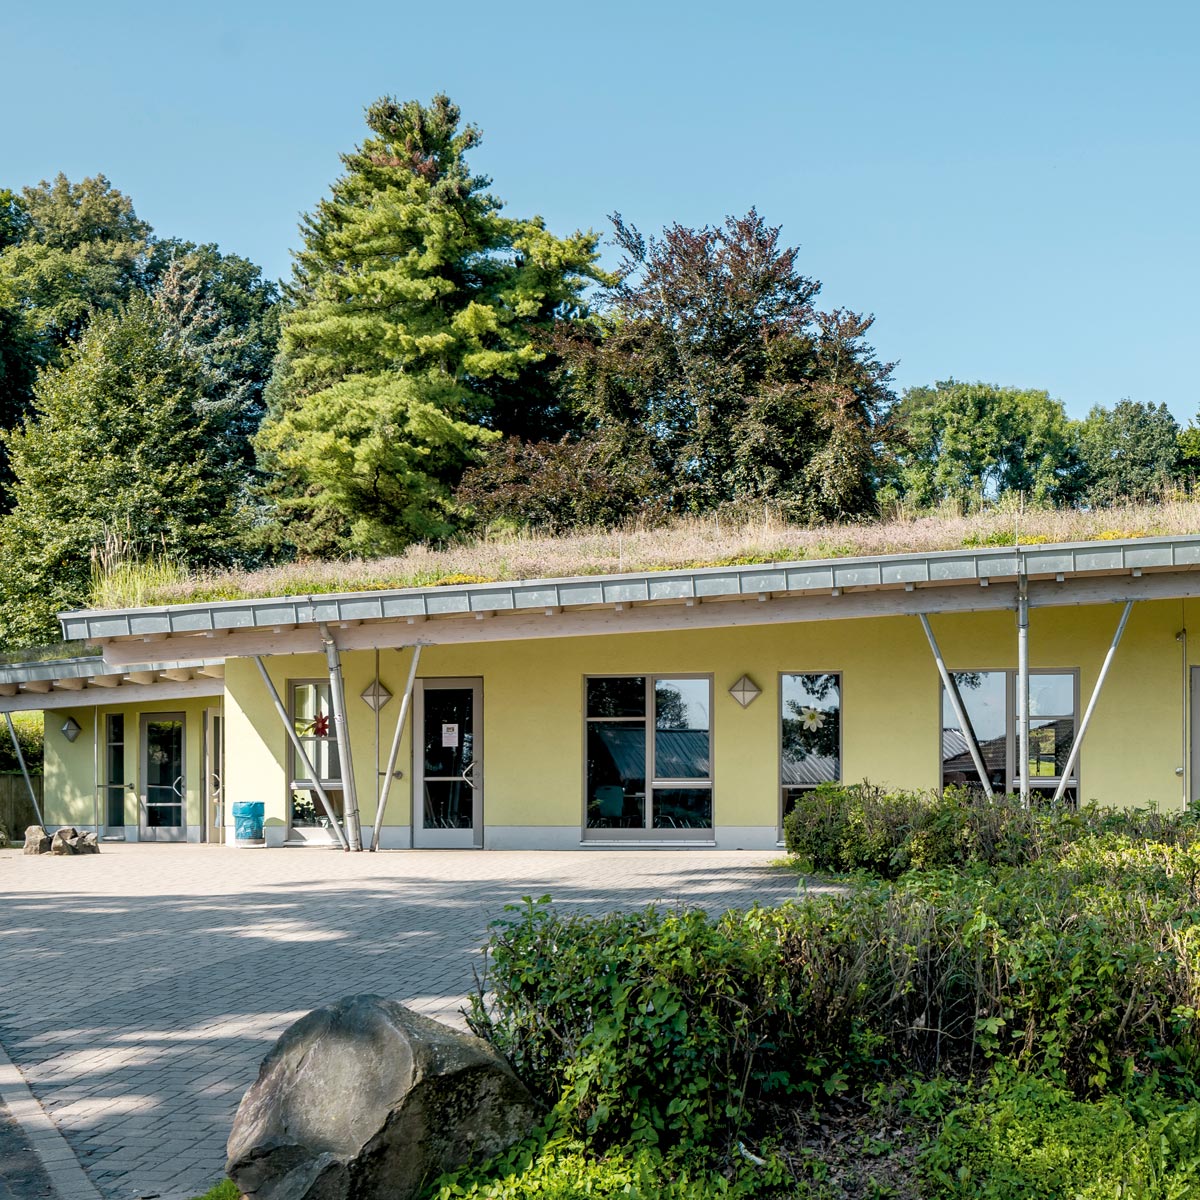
[{"x": 414, "y": 299}]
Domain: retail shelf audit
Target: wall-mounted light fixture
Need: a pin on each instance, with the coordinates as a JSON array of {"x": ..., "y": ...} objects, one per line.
[
  {"x": 745, "y": 691},
  {"x": 376, "y": 695},
  {"x": 71, "y": 729}
]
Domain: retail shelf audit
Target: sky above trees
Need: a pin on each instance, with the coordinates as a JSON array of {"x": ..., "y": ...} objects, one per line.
[{"x": 1010, "y": 189}]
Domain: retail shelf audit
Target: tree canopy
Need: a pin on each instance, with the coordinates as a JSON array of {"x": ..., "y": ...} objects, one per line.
[
  {"x": 122, "y": 446},
  {"x": 706, "y": 369},
  {"x": 974, "y": 442},
  {"x": 1130, "y": 451},
  {"x": 436, "y": 363}
]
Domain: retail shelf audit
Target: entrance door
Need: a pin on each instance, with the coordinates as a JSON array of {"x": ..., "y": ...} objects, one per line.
[
  {"x": 163, "y": 817},
  {"x": 214, "y": 775},
  {"x": 448, "y": 767}
]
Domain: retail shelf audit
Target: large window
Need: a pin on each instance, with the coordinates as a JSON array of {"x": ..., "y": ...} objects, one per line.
[
  {"x": 649, "y": 755},
  {"x": 991, "y": 700},
  {"x": 313, "y": 720},
  {"x": 810, "y": 734}
]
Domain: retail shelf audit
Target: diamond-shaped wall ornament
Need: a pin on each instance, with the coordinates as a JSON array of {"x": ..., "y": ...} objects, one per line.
[
  {"x": 745, "y": 691},
  {"x": 71, "y": 729},
  {"x": 376, "y": 695}
]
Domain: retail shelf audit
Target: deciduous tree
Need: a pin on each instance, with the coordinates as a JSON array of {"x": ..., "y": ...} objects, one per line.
[
  {"x": 973, "y": 442},
  {"x": 712, "y": 356},
  {"x": 1129, "y": 452}
]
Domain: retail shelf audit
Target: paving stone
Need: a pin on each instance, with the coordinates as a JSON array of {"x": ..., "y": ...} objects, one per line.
[{"x": 203, "y": 955}]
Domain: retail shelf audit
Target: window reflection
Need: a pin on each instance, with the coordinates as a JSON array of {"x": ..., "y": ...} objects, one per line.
[
  {"x": 644, "y": 736},
  {"x": 681, "y": 737},
  {"x": 991, "y": 701},
  {"x": 811, "y": 729}
]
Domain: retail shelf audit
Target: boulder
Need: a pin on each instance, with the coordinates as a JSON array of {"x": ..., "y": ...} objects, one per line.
[
  {"x": 4, "y": 839},
  {"x": 64, "y": 840},
  {"x": 37, "y": 840},
  {"x": 88, "y": 843},
  {"x": 366, "y": 1099}
]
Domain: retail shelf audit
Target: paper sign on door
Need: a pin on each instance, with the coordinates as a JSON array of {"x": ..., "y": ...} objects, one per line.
[{"x": 450, "y": 735}]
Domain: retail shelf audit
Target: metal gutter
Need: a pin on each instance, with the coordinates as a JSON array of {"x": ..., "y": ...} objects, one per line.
[{"x": 708, "y": 583}]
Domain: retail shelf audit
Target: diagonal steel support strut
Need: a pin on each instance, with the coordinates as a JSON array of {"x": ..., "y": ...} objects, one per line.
[
  {"x": 12, "y": 733},
  {"x": 298, "y": 746},
  {"x": 401, "y": 721},
  {"x": 960, "y": 712},
  {"x": 1073, "y": 757}
]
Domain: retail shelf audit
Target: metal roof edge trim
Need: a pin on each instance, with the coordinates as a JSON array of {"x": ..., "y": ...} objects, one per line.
[
  {"x": 84, "y": 668},
  {"x": 855, "y": 571}
]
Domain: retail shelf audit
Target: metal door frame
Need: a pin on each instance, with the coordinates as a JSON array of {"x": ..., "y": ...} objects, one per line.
[
  {"x": 1193, "y": 721},
  {"x": 214, "y": 777},
  {"x": 146, "y": 832},
  {"x": 447, "y": 839}
]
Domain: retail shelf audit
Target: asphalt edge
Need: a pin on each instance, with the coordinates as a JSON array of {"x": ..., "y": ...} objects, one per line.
[{"x": 67, "y": 1177}]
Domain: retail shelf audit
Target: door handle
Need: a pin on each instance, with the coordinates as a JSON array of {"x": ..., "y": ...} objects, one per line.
[
  {"x": 466, "y": 775},
  {"x": 177, "y": 787}
]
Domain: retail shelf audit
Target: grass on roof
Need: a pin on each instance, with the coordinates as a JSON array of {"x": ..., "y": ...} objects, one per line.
[{"x": 684, "y": 544}]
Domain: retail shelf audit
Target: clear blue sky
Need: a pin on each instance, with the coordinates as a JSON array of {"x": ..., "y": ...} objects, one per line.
[{"x": 1012, "y": 188}]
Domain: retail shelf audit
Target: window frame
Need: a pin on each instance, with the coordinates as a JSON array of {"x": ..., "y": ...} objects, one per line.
[
  {"x": 782, "y": 789},
  {"x": 111, "y": 787},
  {"x": 295, "y": 780},
  {"x": 647, "y": 831},
  {"x": 1041, "y": 784}
]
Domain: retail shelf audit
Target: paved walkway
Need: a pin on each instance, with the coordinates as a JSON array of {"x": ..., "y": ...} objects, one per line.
[{"x": 141, "y": 987}]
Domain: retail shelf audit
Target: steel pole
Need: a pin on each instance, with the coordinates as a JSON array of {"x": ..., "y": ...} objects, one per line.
[
  {"x": 96, "y": 772},
  {"x": 960, "y": 713},
  {"x": 1023, "y": 686},
  {"x": 12, "y": 733},
  {"x": 1073, "y": 757},
  {"x": 394, "y": 753},
  {"x": 290, "y": 730},
  {"x": 337, "y": 692}
]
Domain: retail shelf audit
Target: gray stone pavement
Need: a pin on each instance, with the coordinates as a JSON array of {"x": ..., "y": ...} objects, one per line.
[{"x": 140, "y": 988}]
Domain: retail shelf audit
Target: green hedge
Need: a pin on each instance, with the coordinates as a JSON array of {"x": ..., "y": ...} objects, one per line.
[
  {"x": 679, "y": 1029},
  {"x": 861, "y": 827}
]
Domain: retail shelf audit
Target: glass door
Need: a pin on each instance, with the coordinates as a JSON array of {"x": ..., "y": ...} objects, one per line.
[
  {"x": 214, "y": 775},
  {"x": 164, "y": 792},
  {"x": 116, "y": 785},
  {"x": 448, "y": 768}
]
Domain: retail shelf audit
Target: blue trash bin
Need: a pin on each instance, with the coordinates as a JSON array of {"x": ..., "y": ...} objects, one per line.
[{"x": 248, "y": 821}]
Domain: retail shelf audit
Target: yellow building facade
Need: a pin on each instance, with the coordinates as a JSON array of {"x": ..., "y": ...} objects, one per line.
[{"x": 550, "y": 745}]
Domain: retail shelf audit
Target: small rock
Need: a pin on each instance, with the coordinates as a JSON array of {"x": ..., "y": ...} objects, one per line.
[
  {"x": 89, "y": 843},
  {"x": 37, "y": 840},
  {"x": 366, "y": 1100}
]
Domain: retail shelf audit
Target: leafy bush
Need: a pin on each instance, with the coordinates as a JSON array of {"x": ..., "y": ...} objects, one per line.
[
  {"x": 564, "y": 1168},
  {"x": 670, "y": 1028},
  {"x": 29, "y": 727},
  {"x": 1026, "y": 1136},
  {"x": 866, "y": 828}
]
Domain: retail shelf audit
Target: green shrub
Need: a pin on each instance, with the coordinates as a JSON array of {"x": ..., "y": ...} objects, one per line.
[
  {"x": 566, "y": 1169},
  {"x": 225, "y": 1190},
  {"x": 671, "y": 1028},
  {"x": 29, "y": 727},
  {"x": 1026, "y": 1136},
  {"x": 866, "y": 828}
]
